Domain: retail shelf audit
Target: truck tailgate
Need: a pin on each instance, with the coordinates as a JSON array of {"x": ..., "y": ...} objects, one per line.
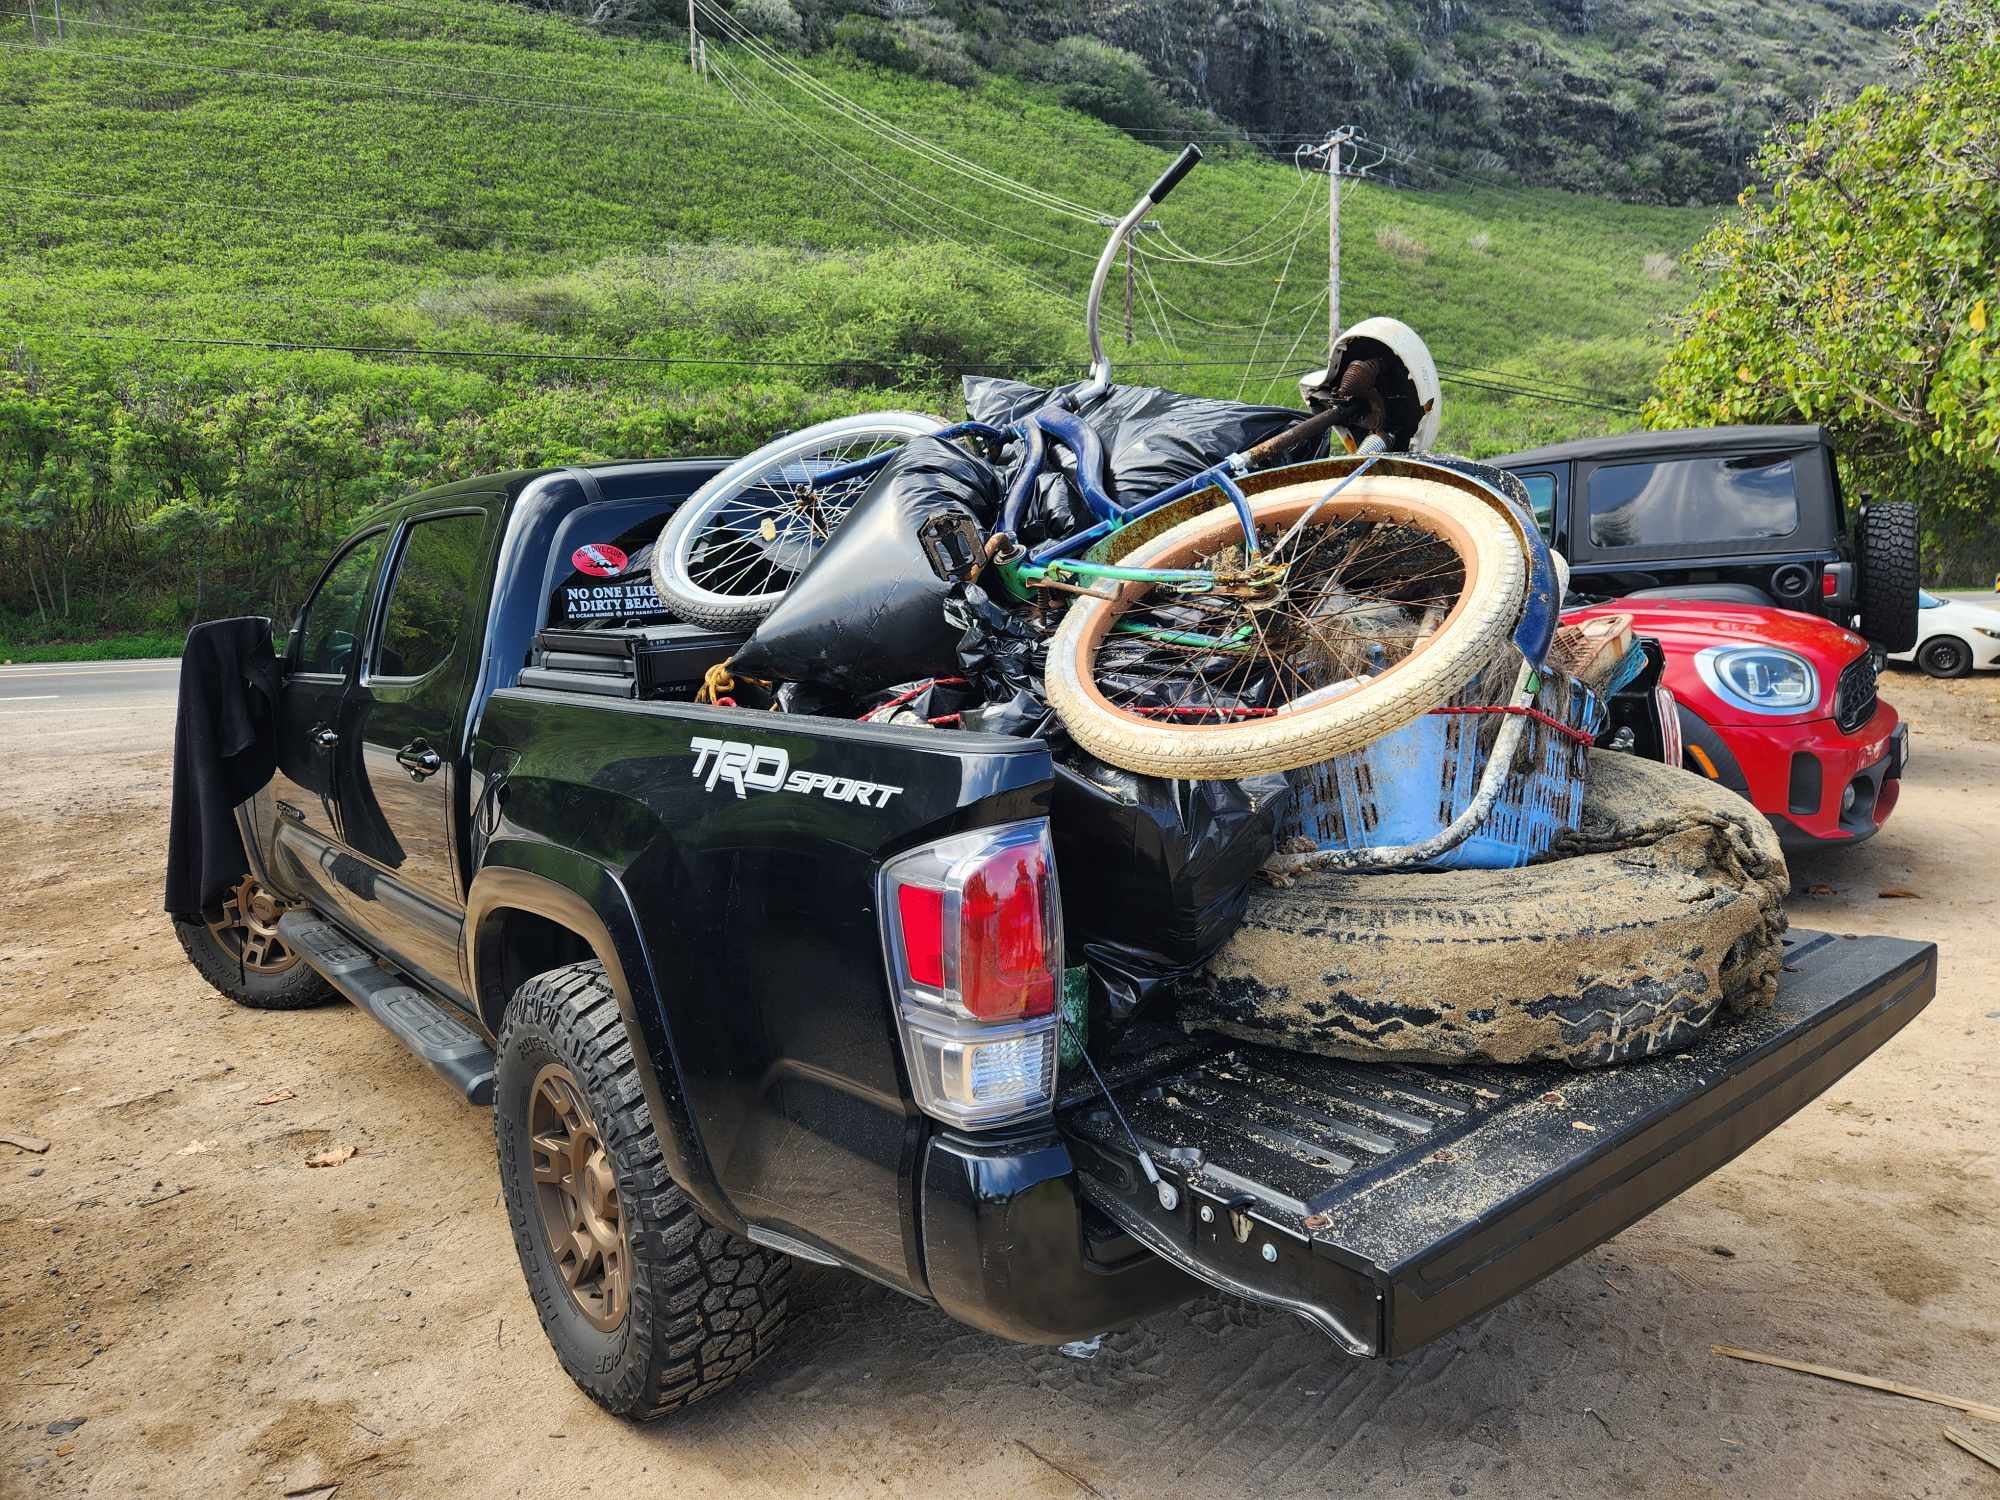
[{"x": 1386, "y": 1203}]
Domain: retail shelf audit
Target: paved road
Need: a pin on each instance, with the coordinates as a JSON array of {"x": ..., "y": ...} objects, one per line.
[
  {"x": 1971, "y": 596},
  {"x": 88, "y": 707}
]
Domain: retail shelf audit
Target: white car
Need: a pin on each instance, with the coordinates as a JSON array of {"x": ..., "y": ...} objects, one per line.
[{"x": 1953, "y": 637}]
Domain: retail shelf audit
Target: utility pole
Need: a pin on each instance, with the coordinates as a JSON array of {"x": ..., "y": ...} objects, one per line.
[
  {"x": 1334, "y": 142},
  {"x": 59, "y": 25},
  {"x": 697, "y": 63},
  {"x": 34, "y": 23},
  {"x": 1137, "y": 229}
]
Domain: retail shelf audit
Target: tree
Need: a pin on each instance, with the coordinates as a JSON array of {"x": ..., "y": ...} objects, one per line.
[{"x": 1861, "y": 287}]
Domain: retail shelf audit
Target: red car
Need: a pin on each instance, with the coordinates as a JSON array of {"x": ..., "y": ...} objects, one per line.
[{"x": 1781, "y": 708}]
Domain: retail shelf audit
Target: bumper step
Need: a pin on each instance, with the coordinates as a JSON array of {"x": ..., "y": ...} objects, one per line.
[
  {"x": 415, "y": 1019},
  {"x": 1385, "y": 1203}
]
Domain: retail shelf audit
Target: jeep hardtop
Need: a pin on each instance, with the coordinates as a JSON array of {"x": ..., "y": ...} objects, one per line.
[{"x": 1747, "y": 515}]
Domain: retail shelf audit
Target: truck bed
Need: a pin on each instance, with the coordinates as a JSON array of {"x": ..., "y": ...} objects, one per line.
[{"x": 1386, "y": 1203}]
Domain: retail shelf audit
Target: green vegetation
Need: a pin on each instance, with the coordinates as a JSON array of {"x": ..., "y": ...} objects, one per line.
[
  {"x": 1862, "y": 290},
  {"x": 627, "y": 260}
]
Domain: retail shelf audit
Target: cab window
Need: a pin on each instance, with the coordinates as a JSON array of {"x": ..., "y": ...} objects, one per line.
[
  {"x": 1687, "y": 501},
  {"x": 435, "y": 579},
  {"x": 330, "y": 623},
  {"x": 1542, "y": 498}
]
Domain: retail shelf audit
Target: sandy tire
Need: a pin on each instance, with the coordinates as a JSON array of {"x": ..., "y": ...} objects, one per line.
[
  {"x": 1473, "y": 632},
  {"x": 1889, "y": 573},
  {"x": 699, "y": 1306},
  {"x": 1945, "y": 656},
  {"x": 673, "y": 576},
  {"x": 1663, "y": 910},
  {"x": 242, "y": 956}
]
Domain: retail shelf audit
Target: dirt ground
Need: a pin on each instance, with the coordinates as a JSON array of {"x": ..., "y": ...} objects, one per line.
[{"x": 222, "y": 1319}]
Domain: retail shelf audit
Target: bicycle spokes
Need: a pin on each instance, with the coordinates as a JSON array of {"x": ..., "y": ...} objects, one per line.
[
  {"x": 761, "y": 540},
  {"x": 1352, "y": 598}
]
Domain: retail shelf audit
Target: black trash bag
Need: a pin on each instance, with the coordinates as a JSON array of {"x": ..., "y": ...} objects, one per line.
[
  {"x": 1155, "y": 873},
  {"x": 1001, "y": 656},
  {"x": 1152, "y": 438},
  {"x": 868, "y": 609}
]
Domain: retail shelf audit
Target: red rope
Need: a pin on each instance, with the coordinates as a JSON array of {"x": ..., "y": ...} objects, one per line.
[
  {"x": 1582, "y": 737},
  {"x": 944, "y": 719},
  {"x": 916, "y": 692}
]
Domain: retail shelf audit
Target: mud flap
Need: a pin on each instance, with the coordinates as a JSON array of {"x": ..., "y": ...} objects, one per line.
[{"x": 1385, "y": 1202}]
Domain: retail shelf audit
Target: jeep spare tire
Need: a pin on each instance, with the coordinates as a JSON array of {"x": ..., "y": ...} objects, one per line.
[
  {"x": 1889, "y": 568},
  {"x": 1663, "y": 909}
]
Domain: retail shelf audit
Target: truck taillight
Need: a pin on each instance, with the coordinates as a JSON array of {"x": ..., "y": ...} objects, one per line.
[{"x": 973, "y": 932}]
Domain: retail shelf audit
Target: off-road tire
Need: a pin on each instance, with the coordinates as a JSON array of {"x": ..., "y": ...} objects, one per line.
[
  {"x": 703, "y": 1305},
  {"x": 1945, "y": 656},
  {"x": 1470, "y": 638},
  {"x": 1890, "y": 569},
  {"x": 296, "y": 988}
]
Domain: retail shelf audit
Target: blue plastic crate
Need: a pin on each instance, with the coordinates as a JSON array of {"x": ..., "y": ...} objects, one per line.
[{"x": 1407, "y": 786}]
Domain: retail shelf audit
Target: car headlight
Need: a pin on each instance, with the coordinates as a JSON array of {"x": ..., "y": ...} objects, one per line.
[
  {"x": 1762, "y": 679},
  {"x": 1984, "y": 631}
]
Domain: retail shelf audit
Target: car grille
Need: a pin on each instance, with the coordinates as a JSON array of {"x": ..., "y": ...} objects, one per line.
[{"x": 1854, "y": 696}]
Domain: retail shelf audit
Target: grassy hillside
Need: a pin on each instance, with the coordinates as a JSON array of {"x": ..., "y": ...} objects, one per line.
[{"x": 623, "y": 258}]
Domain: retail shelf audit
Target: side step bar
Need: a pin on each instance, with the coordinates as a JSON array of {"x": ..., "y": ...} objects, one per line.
[{"x": 416, "y": 1020}]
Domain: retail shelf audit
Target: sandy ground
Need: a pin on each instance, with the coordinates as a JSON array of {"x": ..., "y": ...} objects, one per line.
[{"x": 224, "y": 1320}]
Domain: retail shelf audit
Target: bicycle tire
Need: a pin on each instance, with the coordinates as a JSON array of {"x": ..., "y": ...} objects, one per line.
[
  {"x": 673, "y": 558},
  {"x": 1475, "y": 630}
]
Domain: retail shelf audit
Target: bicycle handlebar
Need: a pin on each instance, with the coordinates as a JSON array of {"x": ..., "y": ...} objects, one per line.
[
  {"x": 1170, "y": 179},
  {"x": 1100, "y": 367}
]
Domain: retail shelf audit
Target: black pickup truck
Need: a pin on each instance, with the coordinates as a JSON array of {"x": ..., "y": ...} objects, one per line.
[{"x": 746, "y": 987}]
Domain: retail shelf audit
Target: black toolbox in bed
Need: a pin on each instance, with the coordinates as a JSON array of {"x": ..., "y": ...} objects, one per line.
[
  {"x": 646, "y": 662},
  {"x": 1386, "y": 1203}
]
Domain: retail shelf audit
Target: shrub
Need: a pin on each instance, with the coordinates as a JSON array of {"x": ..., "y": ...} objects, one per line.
[
  {"x": 775, "y": 20},
  {"x": 1104, "y": 81}
]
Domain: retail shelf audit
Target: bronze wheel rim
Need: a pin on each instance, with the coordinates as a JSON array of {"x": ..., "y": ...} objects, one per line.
[
  {"x": 248, "y": 930},
  {"x": 576, "y": 1189}
]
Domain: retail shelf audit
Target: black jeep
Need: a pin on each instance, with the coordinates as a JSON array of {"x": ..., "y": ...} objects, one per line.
[{"x": 1751, "y": 515}]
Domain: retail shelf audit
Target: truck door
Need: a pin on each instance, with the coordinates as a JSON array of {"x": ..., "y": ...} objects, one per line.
[
  {"x": 319, "y": 664},
  {"x": 402, "y": 784}
]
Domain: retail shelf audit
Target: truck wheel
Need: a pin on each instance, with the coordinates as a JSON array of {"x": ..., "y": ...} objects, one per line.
[
  {"x": 648, "y": 1307},
  {"x": 1886, "y": 590},
  {"x": 242, "y": 955}
]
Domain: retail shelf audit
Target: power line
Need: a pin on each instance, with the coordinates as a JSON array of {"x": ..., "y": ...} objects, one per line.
[{"x": 554, "y": 356}]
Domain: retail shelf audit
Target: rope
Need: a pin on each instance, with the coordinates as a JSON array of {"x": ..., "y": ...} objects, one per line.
[
  {"x": 717, "y": 684},
  {"x": 1581, "y": 736}
]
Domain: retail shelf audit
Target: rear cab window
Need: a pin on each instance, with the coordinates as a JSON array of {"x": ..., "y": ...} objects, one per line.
[
  {"x": 604, "y": 570},
  {"x": 1696, "y": 501}
]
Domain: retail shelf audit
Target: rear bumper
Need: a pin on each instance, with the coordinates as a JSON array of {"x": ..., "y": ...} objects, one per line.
[
  {"x": 1009, "y": 1246},
  {"x": 1470, "y": 1183}
]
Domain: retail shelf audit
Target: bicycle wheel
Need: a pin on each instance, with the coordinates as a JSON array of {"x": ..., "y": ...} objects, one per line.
[
  {"x": 735, "y": 545},
  {"x": 1385, "y": 604}
]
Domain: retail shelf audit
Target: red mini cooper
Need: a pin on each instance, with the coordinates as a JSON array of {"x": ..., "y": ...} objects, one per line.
[{"x": 1779, "y": 707}]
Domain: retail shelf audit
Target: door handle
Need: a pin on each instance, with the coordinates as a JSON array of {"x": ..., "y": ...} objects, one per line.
[
  {"x": 324, "y": 738},
  {"x": 419, "y": 760}
]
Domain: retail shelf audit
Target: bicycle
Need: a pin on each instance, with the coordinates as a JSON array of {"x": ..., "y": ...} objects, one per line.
[{"x": 1246, "y": 618}]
